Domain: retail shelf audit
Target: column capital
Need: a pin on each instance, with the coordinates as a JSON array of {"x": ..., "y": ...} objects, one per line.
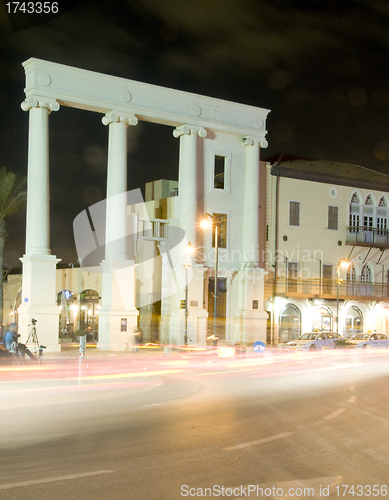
[
  {"x": 114, "y": 117},
  {"x": 39, "y": 102},
  {"x": 186, "y": 129},
  {"x": 251, "y": 141}
]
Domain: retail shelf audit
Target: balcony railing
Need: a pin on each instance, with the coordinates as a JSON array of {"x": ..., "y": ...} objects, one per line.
[
  {"x": 154, "y": 229},
  {"x": 367, "y": 236},
  {"x": 315, "y": 288}
]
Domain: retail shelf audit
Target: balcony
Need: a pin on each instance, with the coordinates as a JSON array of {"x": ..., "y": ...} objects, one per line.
[
  {"x": 326, "y": 289},
  {"x": 367, "y": 236},
  {"x": 154, "y": 229}
]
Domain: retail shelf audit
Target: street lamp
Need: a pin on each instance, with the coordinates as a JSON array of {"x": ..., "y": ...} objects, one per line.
[
  {"x": 205, "y": 224},
  {"x": 187, "y": 265},
  {"x": 344, "y": 263}
]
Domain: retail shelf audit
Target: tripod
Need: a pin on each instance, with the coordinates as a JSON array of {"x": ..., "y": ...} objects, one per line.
[{"x": 38, "y": 349}]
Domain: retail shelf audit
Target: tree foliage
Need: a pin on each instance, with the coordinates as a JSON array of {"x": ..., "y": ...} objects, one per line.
[{"x": 13, "y": 197}]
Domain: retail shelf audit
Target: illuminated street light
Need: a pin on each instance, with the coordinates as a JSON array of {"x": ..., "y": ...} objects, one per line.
[
  {"x": 205, "y": 224},
  {"x": 344, "y": 263}
]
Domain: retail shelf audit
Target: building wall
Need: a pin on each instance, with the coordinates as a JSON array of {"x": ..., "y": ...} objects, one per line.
[
  {"x": 312, "y": 245},
  {"x": 11, "y": 287}
]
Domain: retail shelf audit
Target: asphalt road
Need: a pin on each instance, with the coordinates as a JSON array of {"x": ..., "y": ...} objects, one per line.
[{"x": 276, "y": 426}]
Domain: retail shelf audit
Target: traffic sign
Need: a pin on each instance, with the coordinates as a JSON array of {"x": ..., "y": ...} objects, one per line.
[{"x": 259, "y": 346}]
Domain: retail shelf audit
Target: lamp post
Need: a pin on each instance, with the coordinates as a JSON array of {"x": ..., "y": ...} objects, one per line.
[
  {"x": 345, "y": 264},
  {"x": 187, "y": 266},
  {"x": 205, "y": 224}
]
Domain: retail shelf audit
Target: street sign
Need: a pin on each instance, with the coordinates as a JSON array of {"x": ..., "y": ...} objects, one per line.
[{"x": 259, "y": 346}]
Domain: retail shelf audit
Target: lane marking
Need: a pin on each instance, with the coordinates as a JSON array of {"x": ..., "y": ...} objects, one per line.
[
  {"x": 334, "y": 414},
  {"x": 259, "y": 441},
  {"x": 352, "y": 399},
  {"x": 53, "y": 479},
  {"x": 352, "y": 388}
]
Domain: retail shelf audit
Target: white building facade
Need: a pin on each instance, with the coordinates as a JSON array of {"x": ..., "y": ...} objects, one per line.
[{"x": 321, "y": 215}]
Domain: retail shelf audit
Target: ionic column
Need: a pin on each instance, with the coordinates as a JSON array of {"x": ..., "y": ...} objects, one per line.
[
  {"x": 189, "y": 178},
  {"x": 39, "y": 267},
  {"x": 117, "y": 315},
  {"x": 116, "y": 210},
  {"x": 250, "y": 232},
  {"x": 38, "y": 211}
]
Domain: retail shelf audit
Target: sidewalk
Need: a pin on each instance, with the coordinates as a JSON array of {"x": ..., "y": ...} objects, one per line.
[{"x": 71, "y": 351}]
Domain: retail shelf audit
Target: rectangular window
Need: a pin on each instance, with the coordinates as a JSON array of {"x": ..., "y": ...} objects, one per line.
[
  {"x": 219, "y": 172},
  {"x": 255, "y": 304},
  {"x": 368, "y": 222},
  {"x": 220, "y": 220},
  {"x": 294, "y": 213},
  {"x": 333, "y": 217},
  {"x": 381, "y": 225},
  {"x": 292, "y": 276},
  {"x": 327, "y": 278}
]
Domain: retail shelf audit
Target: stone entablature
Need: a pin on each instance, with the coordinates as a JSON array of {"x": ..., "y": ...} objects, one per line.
[{"x": 93, "y": 91}]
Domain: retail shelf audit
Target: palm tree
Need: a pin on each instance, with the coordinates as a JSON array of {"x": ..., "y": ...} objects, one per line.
[{"x": 13, "y": 197}]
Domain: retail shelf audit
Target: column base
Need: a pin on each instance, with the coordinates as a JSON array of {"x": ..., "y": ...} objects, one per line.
[
  {"x": 39, "y": 301},
  {"x": 117, "y": 329}
]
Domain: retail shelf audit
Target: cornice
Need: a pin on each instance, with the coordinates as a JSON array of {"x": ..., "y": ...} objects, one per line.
[{"x": 93, "y": 91}]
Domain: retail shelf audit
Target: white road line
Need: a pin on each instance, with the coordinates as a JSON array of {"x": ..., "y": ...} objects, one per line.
[
  {"x": 352, "y": 388},
  {"x": 352, "y": 399},
  {"x": 334, "y": 414},
  {"x": 259, "y": 441},
  {"x": 53, "y": 479}
]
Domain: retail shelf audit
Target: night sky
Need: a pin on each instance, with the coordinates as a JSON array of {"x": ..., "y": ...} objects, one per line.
[{"x": 321, "y": 67}]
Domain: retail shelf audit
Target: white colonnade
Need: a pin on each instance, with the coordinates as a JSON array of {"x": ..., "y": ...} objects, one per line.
[
  {"x": 122, "y": 102},
  {"x": 38, "y": 296}
]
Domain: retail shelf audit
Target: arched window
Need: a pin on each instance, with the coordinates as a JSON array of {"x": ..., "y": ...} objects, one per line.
[
  {"x": 382, "y": 219},
  {"x": 89, "y": 313},
  {"x": 66, "y": 300},
  {"x": 368, "y": 219},
  {"x": 351, "y": 273},
  {"x": 366, "y": 279},
  {"x": 366, "y": 275},
  {"x": 17, "y": 304},
  {"x": 353, "y": 322},
  {"x": 322, "y": 319},
  {"x": 351, "y": 279},
  {"x": 355, "y": 213},
  {"x": 290, "y": 319},
  {"x": 355, "y": 198}
]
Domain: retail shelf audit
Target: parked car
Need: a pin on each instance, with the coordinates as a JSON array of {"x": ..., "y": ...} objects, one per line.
[
  {"x": 375, "y": 340},
  {"x": 314, "y": 340}
]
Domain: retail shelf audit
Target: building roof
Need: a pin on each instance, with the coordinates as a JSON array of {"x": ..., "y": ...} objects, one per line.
[{"x": 328, "y": 172}]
